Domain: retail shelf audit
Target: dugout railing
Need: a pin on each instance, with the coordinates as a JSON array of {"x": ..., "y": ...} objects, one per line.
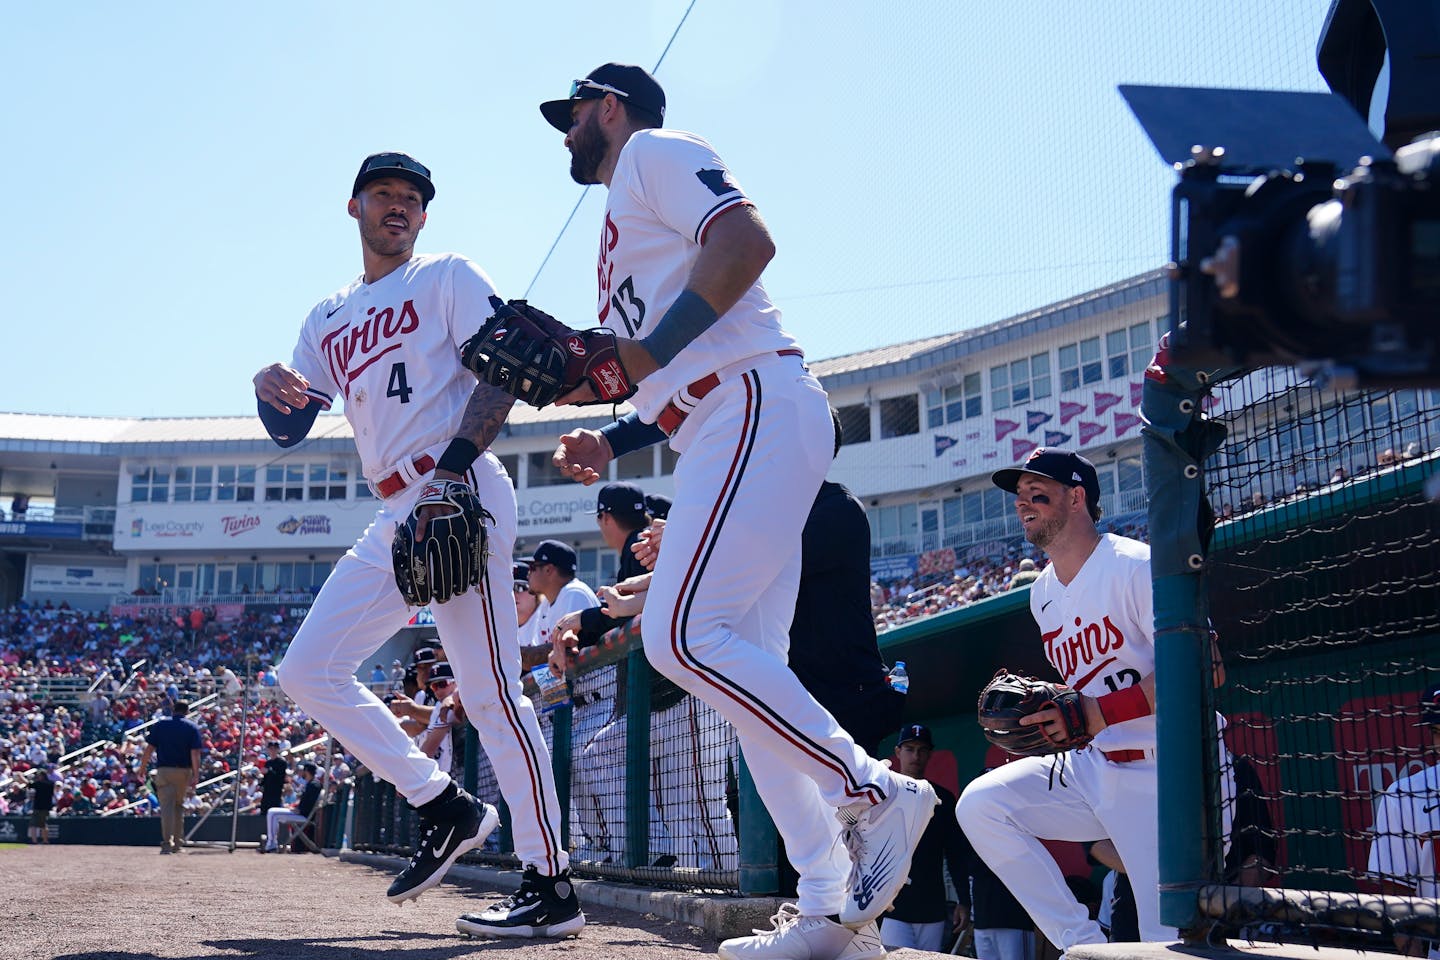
[{"x": 691, "y": 819}]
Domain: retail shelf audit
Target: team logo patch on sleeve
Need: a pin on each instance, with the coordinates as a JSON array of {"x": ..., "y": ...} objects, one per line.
[{"x": 717, "y": 182}]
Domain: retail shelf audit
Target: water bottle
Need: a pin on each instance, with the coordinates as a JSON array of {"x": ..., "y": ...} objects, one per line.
[{"x": 899, "y": 679}]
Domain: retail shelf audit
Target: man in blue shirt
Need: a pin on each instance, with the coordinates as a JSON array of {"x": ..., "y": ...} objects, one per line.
[{"x": 175, "y": 744}]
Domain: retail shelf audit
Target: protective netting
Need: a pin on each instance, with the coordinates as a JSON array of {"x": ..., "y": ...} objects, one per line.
[{"x": 1324, "y": 589}]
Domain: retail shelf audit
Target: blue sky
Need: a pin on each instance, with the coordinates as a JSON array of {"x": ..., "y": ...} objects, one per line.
[{"x": 179, "y": 171}]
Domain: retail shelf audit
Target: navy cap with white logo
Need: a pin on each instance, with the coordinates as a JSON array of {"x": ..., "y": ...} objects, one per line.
[
  {"x": 915, "y": 731},
  {"x": 1062, "y": 466}
]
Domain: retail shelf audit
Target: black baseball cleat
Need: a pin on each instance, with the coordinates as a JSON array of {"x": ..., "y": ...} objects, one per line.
[
  {"x": 542, "y": 907},
  {"x": 450, "y": 825}
]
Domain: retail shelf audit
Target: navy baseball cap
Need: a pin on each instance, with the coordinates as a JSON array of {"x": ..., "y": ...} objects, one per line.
[
  {"x": 441, "y": 672},
  {"x": 402, "y": 165},
  {"x": 915, "y": 731},
  {"x": 632, "y": 85},
  {"x": 522, "y": 572},
  {"x": 1430, "y": 707},
  {"x": 555, "y": 553},
  {"x": 1062, "y": 466},
  {"x": 620, "y": 498},
  {"x": 658, "y": 506},
  {"x": 426, "y": 655}
]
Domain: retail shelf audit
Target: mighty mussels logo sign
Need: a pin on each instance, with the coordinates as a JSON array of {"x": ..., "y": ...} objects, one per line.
[{"x": 310, "y": 523}]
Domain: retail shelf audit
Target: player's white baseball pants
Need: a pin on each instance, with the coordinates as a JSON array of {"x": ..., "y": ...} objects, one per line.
[
  {"x": 1005, "y": 811},
  {"x": 359, "y": 608},
  {"x": 755, "y": 450}
]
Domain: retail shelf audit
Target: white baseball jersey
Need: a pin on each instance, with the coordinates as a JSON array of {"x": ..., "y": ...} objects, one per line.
[
  {"x": 390, "y": 349},
  {"x": 572, "y": 598},
  {"x": 670, "y": 183},
  {"x": 1406, "y": 848},
  {"x": 1099, "y": 630}
]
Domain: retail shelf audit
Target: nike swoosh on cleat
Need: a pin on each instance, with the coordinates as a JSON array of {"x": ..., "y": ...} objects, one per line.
[
  {"x": 1432, "y": 808},
  {"x": 438, "y": 849}
]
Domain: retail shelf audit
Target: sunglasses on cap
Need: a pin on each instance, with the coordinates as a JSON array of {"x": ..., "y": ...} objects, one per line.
[
  {"x": 393, "y": 161},
  {"x": 576, "y": 86}
]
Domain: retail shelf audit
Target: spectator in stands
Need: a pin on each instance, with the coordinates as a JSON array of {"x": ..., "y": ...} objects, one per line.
[
  {"x": 42, "y": 800},
  {"x": 920, "y": 915},
  {"x": 308, "y": 780},
  {"x": 397, "y": 673},
  {"x": 377, "y": 676},
  {"x": 175, "y": 744},
  {"x": 1025, "y": 574}
]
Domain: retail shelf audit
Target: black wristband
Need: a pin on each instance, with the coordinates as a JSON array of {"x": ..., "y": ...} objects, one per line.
[{"x": 458, "y": 457}]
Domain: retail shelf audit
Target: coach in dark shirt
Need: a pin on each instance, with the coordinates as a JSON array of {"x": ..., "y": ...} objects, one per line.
[
  {"x": 175, "y": 744},
  {"x": 272, "y": 781}
]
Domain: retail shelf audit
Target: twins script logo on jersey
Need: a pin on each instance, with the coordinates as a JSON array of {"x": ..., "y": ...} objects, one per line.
[
  {"x": 352, "y": 348},
  {"x": 1082, "y": 648}
]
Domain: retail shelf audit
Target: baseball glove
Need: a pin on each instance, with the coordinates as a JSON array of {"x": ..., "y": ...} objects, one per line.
[
  {"x": 448, "y": 560},
  {"x": 1007, "y": 698},
  {"x": 536, "y": 358}
]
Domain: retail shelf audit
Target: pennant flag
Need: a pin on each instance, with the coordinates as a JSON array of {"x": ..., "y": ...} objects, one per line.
[
  {"x": 1125, "y": 421},
  {"x": 1004, "y": 428},
  {"x": 1137, "y": 391},
  {"x": 943, "y": 443},
  {"x": 1020, "y": 446},
  {"x": 1054, "y": 438},
  {"x": 1069, "y": 411},
  {"x": 1033, "y": 419},
  {"x": 1104, "y": 401},
  {"x": 1089, "y": 431}
]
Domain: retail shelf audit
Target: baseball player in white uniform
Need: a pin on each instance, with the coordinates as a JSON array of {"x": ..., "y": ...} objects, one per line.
[
  {"x": 1405, "y": 851},
  {"x": 1093, "y": 607},
  {"x": 388, "y": 344},
  {"x": 681, "y": 253}
]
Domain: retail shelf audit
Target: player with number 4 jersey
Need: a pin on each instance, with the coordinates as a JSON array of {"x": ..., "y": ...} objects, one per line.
[{"x": 388, "y": 347}]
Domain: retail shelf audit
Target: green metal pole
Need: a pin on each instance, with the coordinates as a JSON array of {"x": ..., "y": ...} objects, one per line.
[
  {"x": 637, "y": 759},
  {"x": 560, "y": 762},
  {"x": 759, "y": 847}
]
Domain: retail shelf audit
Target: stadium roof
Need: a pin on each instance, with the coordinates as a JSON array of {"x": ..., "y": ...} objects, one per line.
[{"x": 138, "y": 436}]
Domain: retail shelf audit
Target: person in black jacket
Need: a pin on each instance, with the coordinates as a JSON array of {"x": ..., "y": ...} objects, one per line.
[
  {"x": 272, "y": 779},
  {"x": 308, "y": 780}
]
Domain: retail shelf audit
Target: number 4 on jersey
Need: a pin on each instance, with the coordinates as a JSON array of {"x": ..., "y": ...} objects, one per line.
[{"x": 397, "y": 387}]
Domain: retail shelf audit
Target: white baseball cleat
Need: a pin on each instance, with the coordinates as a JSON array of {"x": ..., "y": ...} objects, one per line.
[
  {"x": 795, "y": 937},
  {"x": 881, "y": 839}
]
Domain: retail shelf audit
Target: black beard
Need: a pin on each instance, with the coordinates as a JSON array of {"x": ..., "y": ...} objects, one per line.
[{"x": 587, "y": 152}]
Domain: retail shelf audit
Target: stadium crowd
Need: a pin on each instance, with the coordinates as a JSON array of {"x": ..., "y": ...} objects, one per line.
[{"x": 76, "y": 689}]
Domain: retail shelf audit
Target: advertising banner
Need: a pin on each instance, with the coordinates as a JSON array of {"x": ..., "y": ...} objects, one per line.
[{"x": 77, "y": 578}]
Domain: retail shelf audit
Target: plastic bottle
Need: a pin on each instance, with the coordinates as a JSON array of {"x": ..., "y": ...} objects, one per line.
[{"x": 898, "y": 678}]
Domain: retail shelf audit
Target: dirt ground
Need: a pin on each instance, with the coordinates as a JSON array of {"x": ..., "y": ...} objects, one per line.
[{"x": 129, "y": 903}]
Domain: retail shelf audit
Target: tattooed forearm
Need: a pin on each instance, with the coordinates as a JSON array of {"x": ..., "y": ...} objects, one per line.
[{"x": 485, "y": 414}]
